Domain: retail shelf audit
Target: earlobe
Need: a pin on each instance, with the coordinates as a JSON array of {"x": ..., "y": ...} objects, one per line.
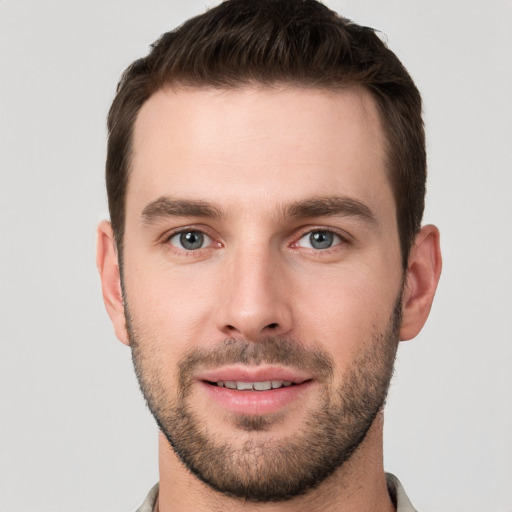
[
  {"x": 108, "y": 267},
  {"x": 423, "y": 272}
]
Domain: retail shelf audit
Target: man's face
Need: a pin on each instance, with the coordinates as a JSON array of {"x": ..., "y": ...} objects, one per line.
[{"x": 261, "y": 251}]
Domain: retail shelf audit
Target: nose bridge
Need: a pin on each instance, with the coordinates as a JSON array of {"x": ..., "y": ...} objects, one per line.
[{"x": 254, "y": 303}]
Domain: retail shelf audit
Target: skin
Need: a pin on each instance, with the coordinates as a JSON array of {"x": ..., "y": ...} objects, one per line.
[{"x": 249, "y": 154}]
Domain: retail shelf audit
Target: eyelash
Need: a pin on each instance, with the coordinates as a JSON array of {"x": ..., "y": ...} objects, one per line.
[
  {"x": 339, "y": 239},
  {"x": 185, "y": 231}
]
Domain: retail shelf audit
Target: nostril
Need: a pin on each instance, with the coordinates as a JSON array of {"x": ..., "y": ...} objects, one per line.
[{"x": 248, "y": 331}]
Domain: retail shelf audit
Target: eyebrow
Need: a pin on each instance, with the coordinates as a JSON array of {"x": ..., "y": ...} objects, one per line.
[
  {"x": 167, "y": 207},
  {"x": 329, "y": 206}
]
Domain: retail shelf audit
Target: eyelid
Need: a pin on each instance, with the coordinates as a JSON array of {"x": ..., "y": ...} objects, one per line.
[
  {"x": 206, "y": 239},
  {"x": 166, "y": 238},
  {"x": 343, "y": 237}
]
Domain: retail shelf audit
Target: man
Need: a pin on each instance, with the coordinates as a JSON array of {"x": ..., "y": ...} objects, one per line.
[{"x": 266, "y": 181}]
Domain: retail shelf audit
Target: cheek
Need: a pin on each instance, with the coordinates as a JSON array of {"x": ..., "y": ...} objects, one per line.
[
  {"x": 169, "y": 305},
  {"x": 345, "y": 310}
]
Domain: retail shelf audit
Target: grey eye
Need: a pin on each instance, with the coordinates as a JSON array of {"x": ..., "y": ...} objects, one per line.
[
  {"x": 190, "y": 240},
  {"x": 319, "y": 240}
]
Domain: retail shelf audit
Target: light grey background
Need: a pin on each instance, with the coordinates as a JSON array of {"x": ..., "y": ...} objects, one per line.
[{"x": 74, "y": 432}]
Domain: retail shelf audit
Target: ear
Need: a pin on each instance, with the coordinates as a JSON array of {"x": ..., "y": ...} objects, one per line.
[
  {"x": 108, "y": 267},
  {"x": 423, "y": 272}
]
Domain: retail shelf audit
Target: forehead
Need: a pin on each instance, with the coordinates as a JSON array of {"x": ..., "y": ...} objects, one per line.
[{"x": 255, "y": 145}]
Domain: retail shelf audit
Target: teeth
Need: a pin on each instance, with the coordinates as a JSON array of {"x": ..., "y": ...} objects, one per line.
[
  {"x": 254, "y": 386},
  {"x": 262, "y": 386},
  {"x": 244, "y": 386}
]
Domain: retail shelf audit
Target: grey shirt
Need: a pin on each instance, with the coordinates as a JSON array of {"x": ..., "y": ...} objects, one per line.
[{"x": 396, "y": 492}]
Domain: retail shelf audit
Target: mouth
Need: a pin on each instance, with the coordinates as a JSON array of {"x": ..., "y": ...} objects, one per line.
[
  {"x": 254, "y": 391},
  {"x": 265, "y": 385}
]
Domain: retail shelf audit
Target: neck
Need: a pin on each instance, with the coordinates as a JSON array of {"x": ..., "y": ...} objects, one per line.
[{"x": 359, "y": 485}]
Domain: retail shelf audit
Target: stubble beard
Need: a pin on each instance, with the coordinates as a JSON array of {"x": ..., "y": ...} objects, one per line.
[{"x": 262, "y": 469}]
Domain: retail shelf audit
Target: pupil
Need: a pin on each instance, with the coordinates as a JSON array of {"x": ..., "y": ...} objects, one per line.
[
  {"x": 321, "y": 239},
  {"x": 191, "y": 240}
]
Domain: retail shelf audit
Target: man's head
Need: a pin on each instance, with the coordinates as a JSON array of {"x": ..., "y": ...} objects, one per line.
[
  {"x": 258, "y": 161},
  {"x": 272, "y": 43}
]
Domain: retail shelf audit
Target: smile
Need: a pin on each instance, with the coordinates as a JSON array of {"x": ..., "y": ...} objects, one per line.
[
  {"x": 251, "y": 391},
  {"x": 253, "y": 386}
]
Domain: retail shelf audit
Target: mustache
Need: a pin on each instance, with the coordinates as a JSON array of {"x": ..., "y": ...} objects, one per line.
[{"x": 274, "y": 350}]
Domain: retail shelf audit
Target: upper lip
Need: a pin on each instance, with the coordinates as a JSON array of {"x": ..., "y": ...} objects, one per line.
[{"x": 241, "y": 373}]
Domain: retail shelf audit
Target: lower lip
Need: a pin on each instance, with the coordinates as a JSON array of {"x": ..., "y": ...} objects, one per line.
[{"x": 255, "y": 402}]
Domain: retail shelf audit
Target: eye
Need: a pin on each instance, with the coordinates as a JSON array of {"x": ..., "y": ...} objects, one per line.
[
  {"x": 190, "y": 240},
  {"x": 320, "y": 239}
]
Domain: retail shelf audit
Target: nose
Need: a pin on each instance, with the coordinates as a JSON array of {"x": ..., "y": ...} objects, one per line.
[{"x": 254, "y": 297}]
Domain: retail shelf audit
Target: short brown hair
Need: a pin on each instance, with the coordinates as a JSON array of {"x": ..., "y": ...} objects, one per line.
[{"x": 278, "y": 42}]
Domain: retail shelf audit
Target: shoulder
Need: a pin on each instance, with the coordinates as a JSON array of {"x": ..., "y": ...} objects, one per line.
[
  {"x": 149, "y": 502},
  {"x": 397, "y": 493}
]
